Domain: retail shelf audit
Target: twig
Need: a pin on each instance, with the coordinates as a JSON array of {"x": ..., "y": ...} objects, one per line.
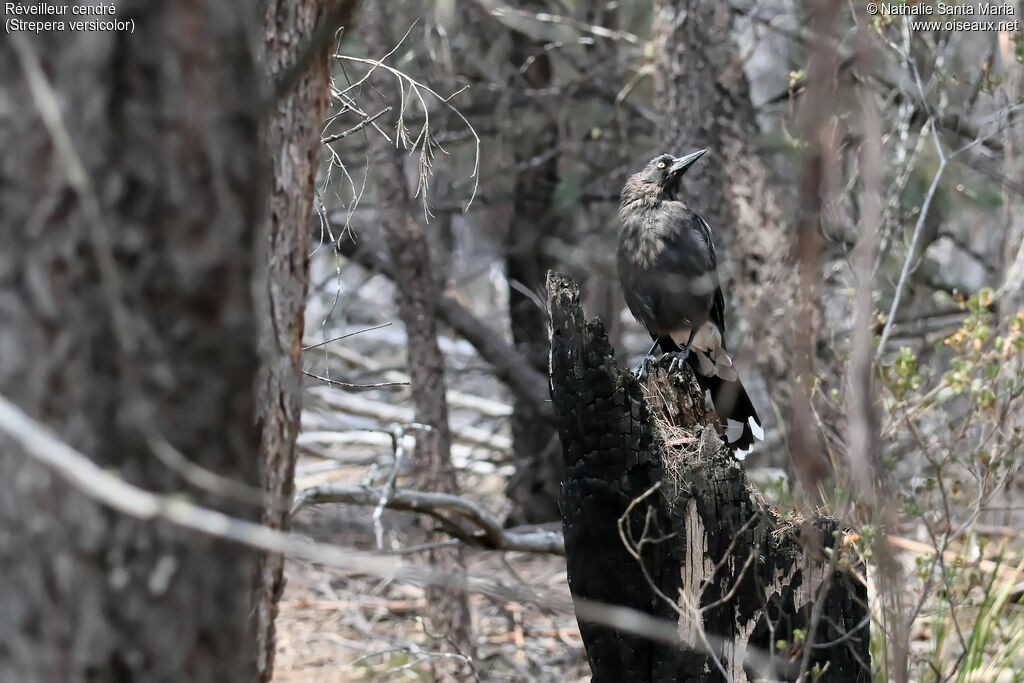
[
  {"x": 109, "y": 489},
  {"x": 501, "y": 11},
  {"x": 345, "y": 336},
  {"x": 358, "y": 127},
  {"x": 423, "y": 139},
  {"x": 205, "y": 479},
  {"x": 318, "y": 444},
  {"x": 919, "y": 228},
  {"x": 912, "y": 249},
  {"x": 635, "y": 549},
  {"x": 490, "y": 533},
  {"x": 456, "y": 399},
  {"x": 353, "y": 405},
  {"x": 397, "y": 433},
  {"x": 353, "y": 387}
]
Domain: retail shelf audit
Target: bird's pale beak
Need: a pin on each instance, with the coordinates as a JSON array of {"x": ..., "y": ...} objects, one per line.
[{"x": 682, "y": 163}]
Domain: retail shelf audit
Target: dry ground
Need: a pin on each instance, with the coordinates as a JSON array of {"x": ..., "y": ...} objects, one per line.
[{"x": 335, "y": 626}]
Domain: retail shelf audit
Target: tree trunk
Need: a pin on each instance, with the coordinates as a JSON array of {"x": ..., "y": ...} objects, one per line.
[
  {"x": 418, "y": 292},
  {"x": 658, "y": 517},
  {"x": 534, "y": 487},
  {"x": 704, "y": 97},
  {"x": 131, "y": 191},
  {"x": 292, "y": 135}
]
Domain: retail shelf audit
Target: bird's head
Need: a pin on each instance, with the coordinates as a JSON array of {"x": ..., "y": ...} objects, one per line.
[{"x": 663, "y": 173}]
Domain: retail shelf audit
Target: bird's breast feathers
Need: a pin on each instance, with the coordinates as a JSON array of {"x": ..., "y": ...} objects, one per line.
[
  {"x": 643, "y": 238},
  {"x": 653, "y": 230}
]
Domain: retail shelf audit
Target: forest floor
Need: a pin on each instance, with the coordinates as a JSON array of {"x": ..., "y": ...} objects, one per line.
[{"x": 336, "y": 626}]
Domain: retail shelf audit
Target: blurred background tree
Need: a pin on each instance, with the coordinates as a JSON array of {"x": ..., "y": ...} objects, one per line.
[{"x": 132, "y": 197}]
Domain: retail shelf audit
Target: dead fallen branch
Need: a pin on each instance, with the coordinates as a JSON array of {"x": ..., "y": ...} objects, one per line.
[
  {"x": 385, "y": 413},
  {"x": 456, "y": 399},
  {"x": 336, "y": 446},
  {"x": 447, "y": 509}
]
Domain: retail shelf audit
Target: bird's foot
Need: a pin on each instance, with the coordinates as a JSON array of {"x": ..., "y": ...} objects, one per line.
[
  {"x": 644, "y": 367},
  {"x": 678, "y": 358}
]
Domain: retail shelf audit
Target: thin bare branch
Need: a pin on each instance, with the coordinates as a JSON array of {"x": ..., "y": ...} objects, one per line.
[
  {"x": 345, "y": 336},
  {"x": 358, "y": 127},
  {"x": 354, "y": 387},
  {"x": 352, "y": 405},
  {"x": 912, "y": 249},
  {"x": 488, "y": 533}
]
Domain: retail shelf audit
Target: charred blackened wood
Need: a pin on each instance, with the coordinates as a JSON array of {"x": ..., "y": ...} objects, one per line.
[{"x": 659, "y": 517}]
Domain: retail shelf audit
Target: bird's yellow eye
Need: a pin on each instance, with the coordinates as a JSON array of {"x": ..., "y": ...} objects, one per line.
[{"x": 662, "y": 164}]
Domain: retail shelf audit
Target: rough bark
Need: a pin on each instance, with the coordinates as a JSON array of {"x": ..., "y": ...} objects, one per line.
[
  {"x": 126, "y": 316},
  {"x": 534, "y": 488},
  {"x": 704, "y": 98},
  {"x": 292, "y": 136},
  {"x": 418, "y": 292},
  {"x": 734, "y": 578}
]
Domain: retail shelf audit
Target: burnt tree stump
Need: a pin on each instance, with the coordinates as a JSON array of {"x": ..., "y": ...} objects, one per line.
[{"x": 659, "y": 517}]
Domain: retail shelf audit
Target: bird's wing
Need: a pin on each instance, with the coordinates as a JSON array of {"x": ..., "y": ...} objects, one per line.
[
  {"x": 718, "y": 313},
  {"x": 702, "y": 228},
  {"x": 687, "y": 236}
]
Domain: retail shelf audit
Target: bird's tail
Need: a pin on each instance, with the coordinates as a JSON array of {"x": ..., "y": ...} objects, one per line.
[
  {"x": 734, "y": 409},
  {"x": 733, "y": 406}
]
